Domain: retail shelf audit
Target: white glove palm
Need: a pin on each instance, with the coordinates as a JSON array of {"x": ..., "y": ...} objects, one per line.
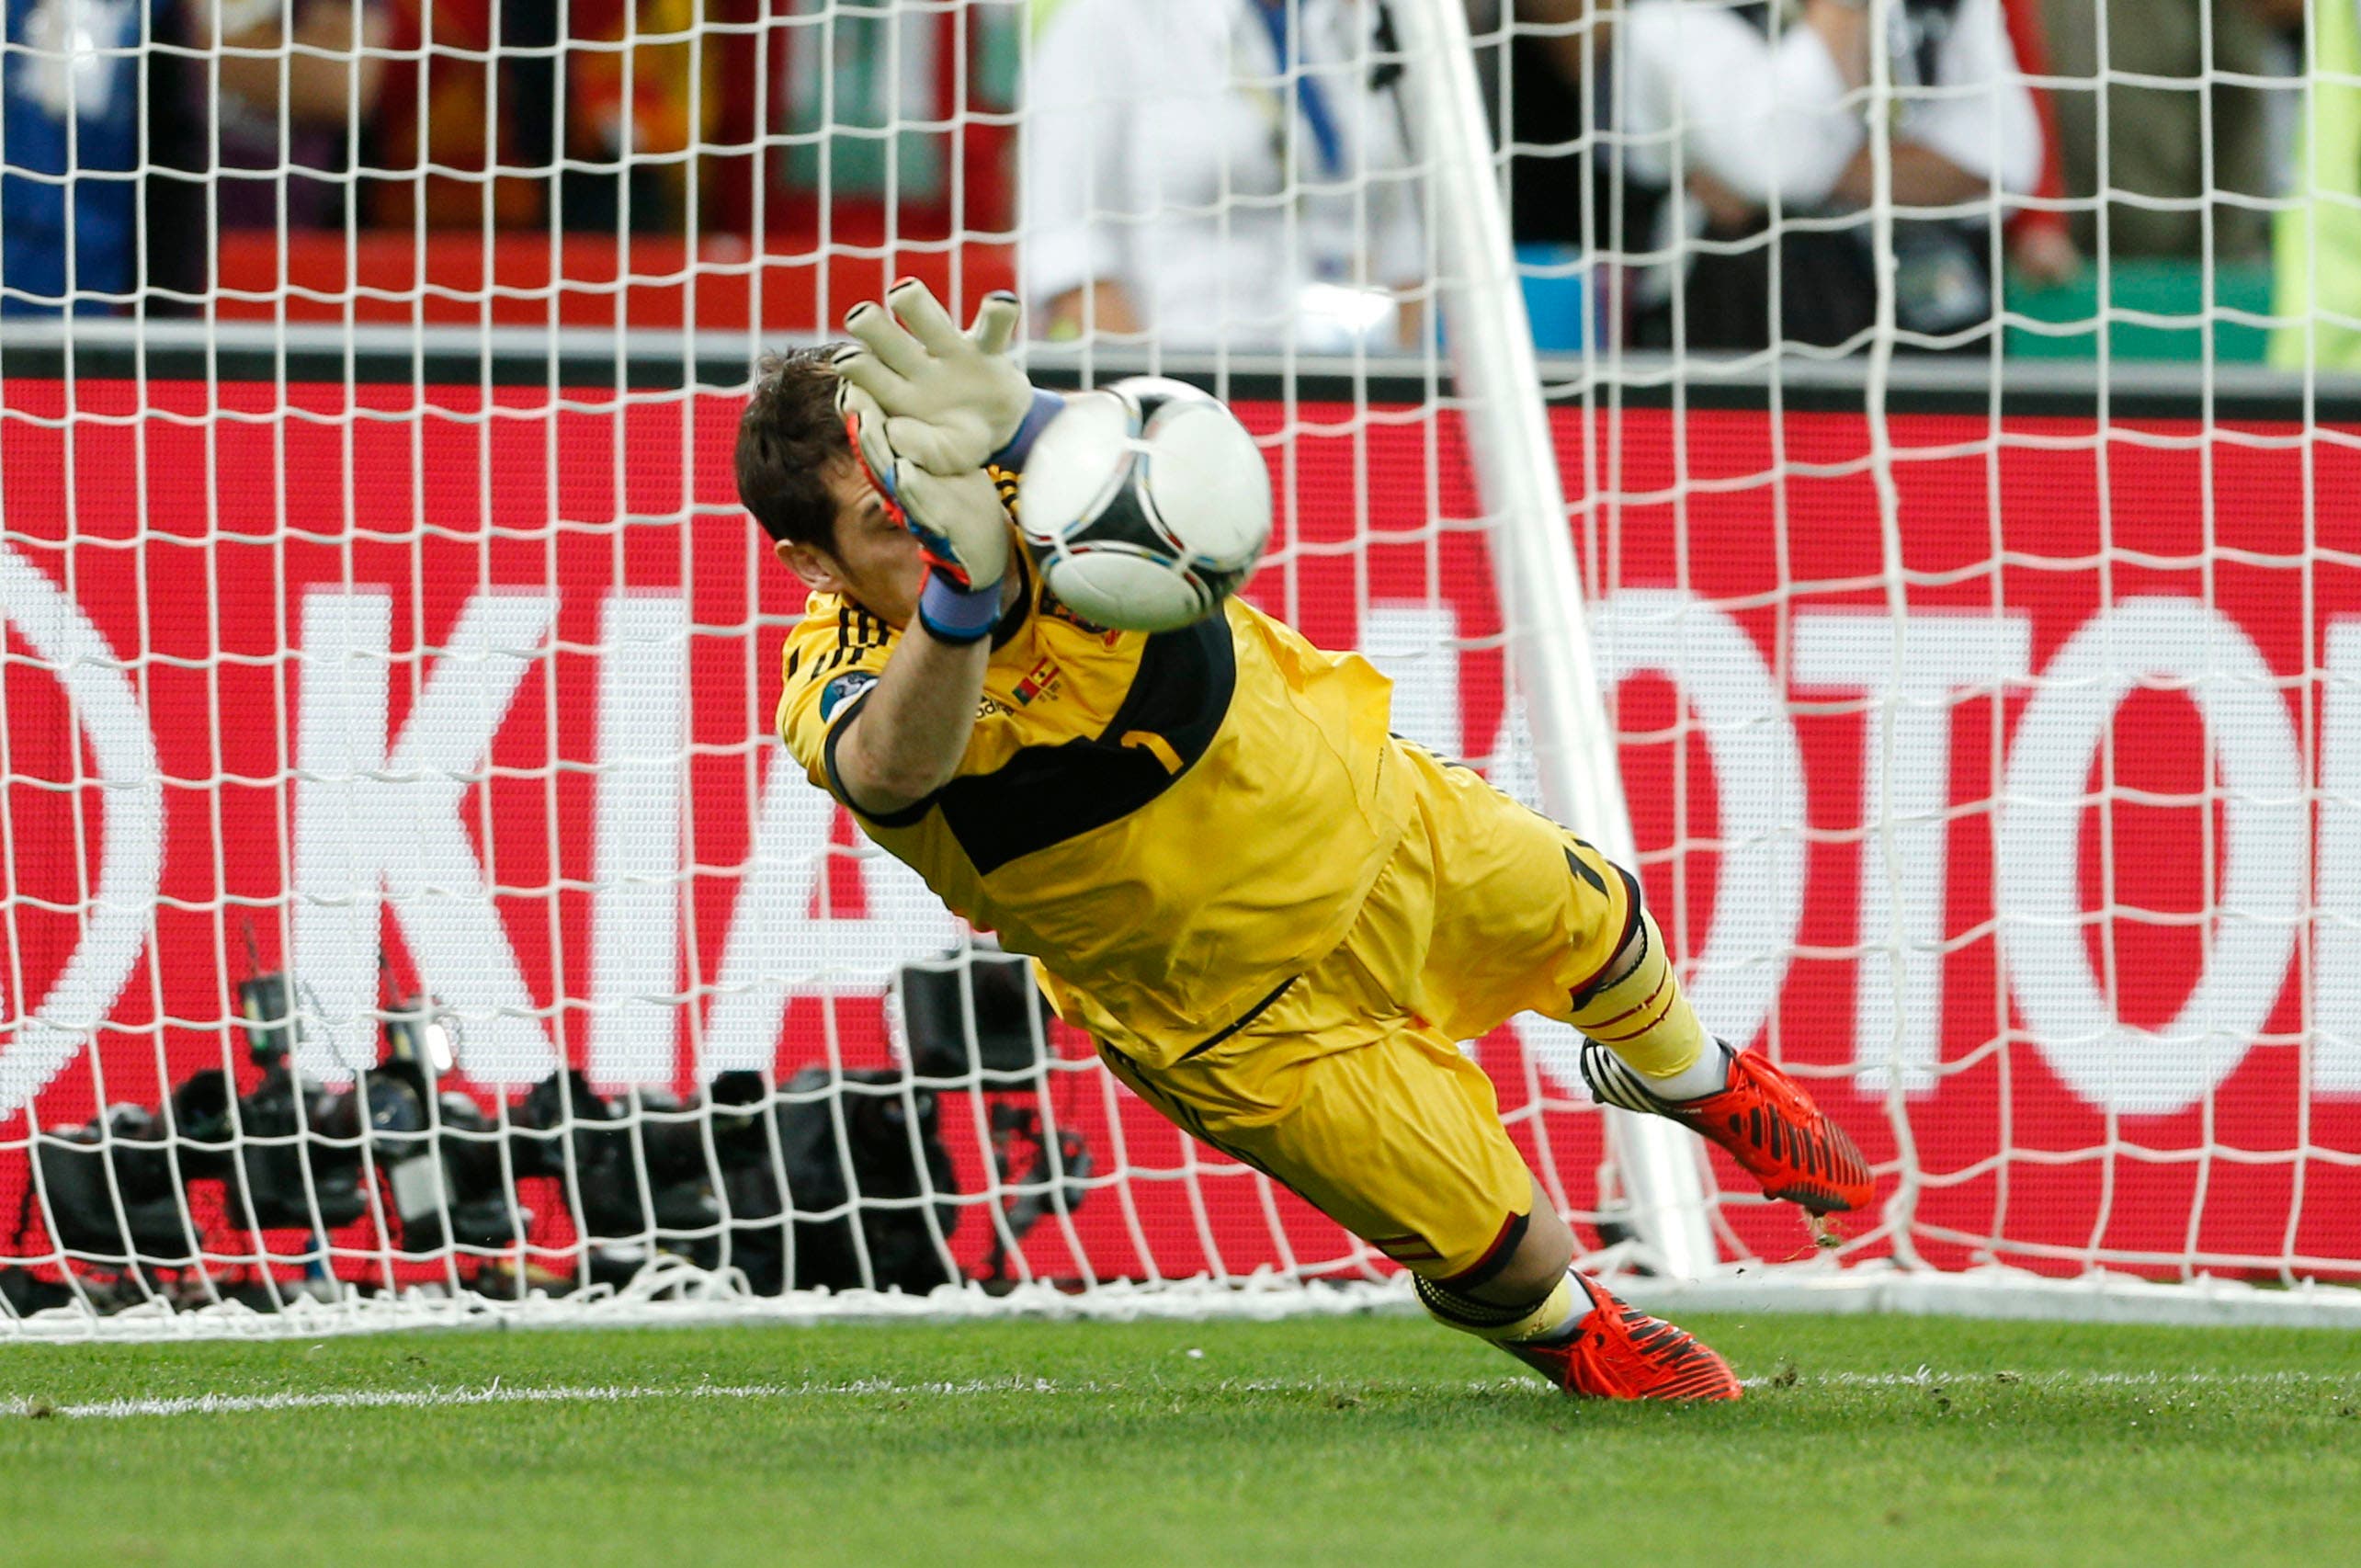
[
  {"x": 950, "y": 400},
  {"x": 957, "y": 518}
]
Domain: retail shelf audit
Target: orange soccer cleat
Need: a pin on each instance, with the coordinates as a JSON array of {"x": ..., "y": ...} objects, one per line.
[
  {"x": 1619, "y": 1352},
  {"x": 1764, "y": 1118}
]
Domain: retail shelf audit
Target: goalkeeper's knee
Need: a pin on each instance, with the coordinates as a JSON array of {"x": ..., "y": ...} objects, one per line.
[{"x": 1637, "y": 1010}]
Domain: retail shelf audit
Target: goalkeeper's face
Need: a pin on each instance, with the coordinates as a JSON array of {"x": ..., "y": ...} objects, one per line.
[{"x": 874, "y": 560}]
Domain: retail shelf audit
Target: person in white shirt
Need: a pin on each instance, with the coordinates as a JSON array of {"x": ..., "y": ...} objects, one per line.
[
  {"x": 1755, "y": 125},
  {"x": 1218, "y": 173}
]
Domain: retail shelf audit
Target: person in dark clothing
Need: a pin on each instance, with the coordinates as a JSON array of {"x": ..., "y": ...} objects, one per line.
[{"x": 1745, "y": 179}]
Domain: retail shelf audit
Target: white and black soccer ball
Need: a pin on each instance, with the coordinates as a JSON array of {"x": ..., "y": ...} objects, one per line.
[{"x": 1145, "y": 503}]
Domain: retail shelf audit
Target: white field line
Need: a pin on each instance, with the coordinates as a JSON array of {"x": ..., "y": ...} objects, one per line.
[
  {"x": 1927, "y": 1377},
  {"x": 495, "y": 1392}
]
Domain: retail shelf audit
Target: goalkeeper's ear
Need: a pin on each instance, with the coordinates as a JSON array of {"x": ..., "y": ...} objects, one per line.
[{"x": 813, "y": 568}]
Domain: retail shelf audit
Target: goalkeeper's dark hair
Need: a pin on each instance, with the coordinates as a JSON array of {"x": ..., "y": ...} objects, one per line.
[{"x": 788, "y": 437}]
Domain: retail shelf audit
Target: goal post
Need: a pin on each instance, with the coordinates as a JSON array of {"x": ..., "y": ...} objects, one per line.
[
  {"x": 1498, "y": 383},
  {"x": 408, "y": 916}
]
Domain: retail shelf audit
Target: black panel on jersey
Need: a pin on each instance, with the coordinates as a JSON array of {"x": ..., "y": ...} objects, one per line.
[
  {"x": 1045, "y": 795},
  {"x": 1020, "y": 609}
]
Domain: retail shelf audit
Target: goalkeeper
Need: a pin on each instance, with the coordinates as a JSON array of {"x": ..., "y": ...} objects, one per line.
[{"x": 1275, "y": 918}]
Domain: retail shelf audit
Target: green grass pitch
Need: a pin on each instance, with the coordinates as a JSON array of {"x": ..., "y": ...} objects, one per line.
[{"x": 1360, "y": 1441}]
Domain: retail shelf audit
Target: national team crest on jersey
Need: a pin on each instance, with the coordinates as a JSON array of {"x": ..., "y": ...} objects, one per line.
[{"x": 1038, "y": 679}]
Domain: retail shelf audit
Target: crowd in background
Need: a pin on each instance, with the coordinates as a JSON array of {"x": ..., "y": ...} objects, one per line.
[
  {"x": 182, "y": 119},
  {"x": 1237, "y": 170},
  {"x": 1718, "y": 150}
]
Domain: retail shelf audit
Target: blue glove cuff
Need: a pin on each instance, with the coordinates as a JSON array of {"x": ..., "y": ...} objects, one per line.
[
  {"x": 1037, "y": 419},
  {"x": 956, "y": 615}
]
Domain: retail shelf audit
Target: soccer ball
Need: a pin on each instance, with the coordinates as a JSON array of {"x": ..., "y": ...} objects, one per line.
[{"x": 1145, "y": 504}]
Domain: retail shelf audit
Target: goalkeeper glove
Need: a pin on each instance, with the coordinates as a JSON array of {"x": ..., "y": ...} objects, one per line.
[
  {"x": 953, "y": 401},
  {"x": 959, "y": 522}
]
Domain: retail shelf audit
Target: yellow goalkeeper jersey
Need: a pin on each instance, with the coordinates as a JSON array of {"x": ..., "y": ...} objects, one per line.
[{"x": 1173, "y": 825}]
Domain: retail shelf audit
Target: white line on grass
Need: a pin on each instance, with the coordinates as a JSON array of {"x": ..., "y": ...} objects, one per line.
[
  {"x": 496, "y": 1393},
  {"x": 1928, "y": 1377}
]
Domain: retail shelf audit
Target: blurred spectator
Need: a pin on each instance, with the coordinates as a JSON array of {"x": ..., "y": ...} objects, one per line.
[
  {"x": 1736, "y": 129},
  {"x": 71, "y": 112},
  {"x": 478, "y": 109},
  {"x": 98, "y": 121},
  {"x": 2317, "y": 238},
  {"x": 593, "y": 100},
  {"x": 1534, "y": 80},
  {"x": 2040, "y": 242},
  {"x": 287, "y": 120},
  {"x": 2176, "y": 131},
  {"x": 1216, "y": 172},
  {"x": 632, "y": 111}
]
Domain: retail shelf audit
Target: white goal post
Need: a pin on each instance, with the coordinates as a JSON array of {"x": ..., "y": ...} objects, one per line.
[
  {"x": 408, "y": 916},
  {"x": 1540, "y": 586}
]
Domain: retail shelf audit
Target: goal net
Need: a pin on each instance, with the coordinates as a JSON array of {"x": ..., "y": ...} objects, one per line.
[{"x": 1792, "y": 468}]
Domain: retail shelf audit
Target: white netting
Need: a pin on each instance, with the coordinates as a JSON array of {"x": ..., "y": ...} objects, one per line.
[
  {"x": 1987, "y": 754},
  {"x": 385, "y": 647}
]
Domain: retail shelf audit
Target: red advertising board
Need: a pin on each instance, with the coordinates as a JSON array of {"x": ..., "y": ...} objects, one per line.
[{"x": 484, "y": 680}]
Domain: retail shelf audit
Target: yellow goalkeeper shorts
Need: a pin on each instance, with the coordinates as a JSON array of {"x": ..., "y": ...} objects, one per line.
[{"x": 1347, "y": 1086}]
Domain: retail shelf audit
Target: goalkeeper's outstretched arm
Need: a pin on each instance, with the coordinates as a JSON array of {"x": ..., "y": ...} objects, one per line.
[
  {"x": 931, "y": 555},
  {"x": 907, "y": 740},
  {"x": 927, "y": 407}
]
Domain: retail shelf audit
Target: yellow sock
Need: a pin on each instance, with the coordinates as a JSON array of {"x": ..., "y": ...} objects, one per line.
[
  {"x": 1640, "y": 1014},
  {"x": 1545, "y": 1319}
]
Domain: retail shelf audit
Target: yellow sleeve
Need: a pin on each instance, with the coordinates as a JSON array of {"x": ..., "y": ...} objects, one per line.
[{"x": 828, "y": 664}]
